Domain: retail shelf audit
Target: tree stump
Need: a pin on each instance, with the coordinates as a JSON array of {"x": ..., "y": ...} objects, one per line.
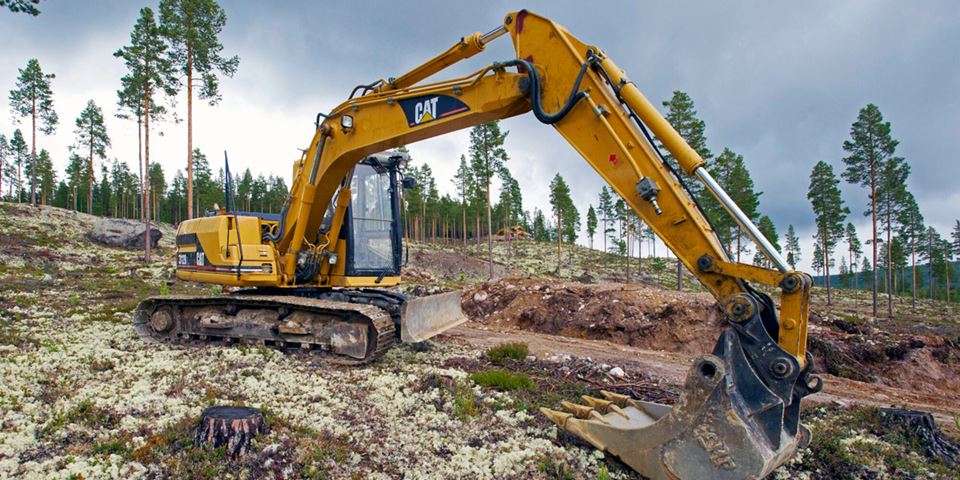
[
  {"x": 232, "y": 427},
  {"x": 924, "y": 433}
]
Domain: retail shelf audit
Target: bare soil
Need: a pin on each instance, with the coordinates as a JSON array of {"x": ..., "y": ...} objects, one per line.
[
  {"x": 667, "y": 329},
  {"x": 636, "y": 315}
]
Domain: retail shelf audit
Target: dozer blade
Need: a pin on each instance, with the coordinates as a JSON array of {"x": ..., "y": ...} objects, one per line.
[
  {"x": 736, "y": 417},
  {"x": 426, "y": 317}
]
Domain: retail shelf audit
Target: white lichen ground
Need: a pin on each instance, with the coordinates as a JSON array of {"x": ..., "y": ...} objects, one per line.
[
  {"x": 395, "y": 428},
  {"x": 82, "y": 397}
]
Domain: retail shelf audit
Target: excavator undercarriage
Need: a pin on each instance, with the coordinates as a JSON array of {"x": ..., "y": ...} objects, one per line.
[{"x": 347, "y": 326}]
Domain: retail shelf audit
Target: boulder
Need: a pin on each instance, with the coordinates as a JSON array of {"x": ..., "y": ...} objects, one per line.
[{"x": 122, "y": 233}]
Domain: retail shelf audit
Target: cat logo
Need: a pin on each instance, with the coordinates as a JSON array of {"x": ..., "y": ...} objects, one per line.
[
  {"x": 425, "y": 111},
  {"x": 430, "y": 108}
]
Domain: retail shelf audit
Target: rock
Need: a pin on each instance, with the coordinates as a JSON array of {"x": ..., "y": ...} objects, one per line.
[
  {"x": 122, "y": 233},
  {"x": 616, "y": 372},
  {"x": 479, "y": 296}
]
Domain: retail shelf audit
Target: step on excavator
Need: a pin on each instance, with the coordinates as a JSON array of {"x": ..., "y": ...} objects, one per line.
[{"x": 314, "y": 276}]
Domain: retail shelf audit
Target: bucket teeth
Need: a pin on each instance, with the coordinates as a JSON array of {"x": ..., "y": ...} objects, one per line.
[
  {"x": 579, "y": 411},
  {"x": 559, "y": 418},
  {"x": 601, "y": 405},
  {"x": 618, "y": 399}
]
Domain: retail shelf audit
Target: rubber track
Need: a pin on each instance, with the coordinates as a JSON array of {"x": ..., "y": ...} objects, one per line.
[{"x": 383, "y": 324}]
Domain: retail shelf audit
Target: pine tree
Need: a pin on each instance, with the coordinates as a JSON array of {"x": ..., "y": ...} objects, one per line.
[
  {"x": 870, "y": 147},
  {"x": 792, "y": 247},
  {"x": 33, "y": 97},
  {"x": 21, "y": 156},
  {"x": 606, "y": 212},
  {"x": 48, "y": 178},
  {"x": 193, "y": 27},
  {"x": 844, "y": 273},
  {"x": 568, "y": 219},
  {"x": 830, "y": 213},
  {"x": 4, "y": 153},
  {"x": 76, "y": 179},
  {"x": 539, "y": 231},
  {"x": 891, "y": 199},
  {"x": 854, "y": 250},
  {"x": 93, "y": 140},
  {"x": 682, "y": 115},
  {"x": 731, "y": 173},
  {"x": 769, "y": 230},
  {"x": 153, "y": 73},
  {"x": 818, "y": 260},
  {"x": 487, "y": 158},
  {"x": 591, "y": 224},
  {"x": 912, "y": 230},
  {"x": 463, "y": 180},
  {"x": 22, "y": 6}
]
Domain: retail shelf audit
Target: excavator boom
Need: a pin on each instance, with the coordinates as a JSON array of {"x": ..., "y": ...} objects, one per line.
[{"x": 738, "y": 415}]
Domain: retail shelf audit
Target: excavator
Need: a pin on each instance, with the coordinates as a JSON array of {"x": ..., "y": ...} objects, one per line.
[{"x": 314, "y": 277}]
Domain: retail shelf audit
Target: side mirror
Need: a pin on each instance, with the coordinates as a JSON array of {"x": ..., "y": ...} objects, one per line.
[{"x": 409, "y": 182}]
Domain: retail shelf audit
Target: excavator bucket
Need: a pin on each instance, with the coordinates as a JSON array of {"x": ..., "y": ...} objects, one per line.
[
  {"x": 736, "y": 417},
  {"x": 426, "y": 317}
]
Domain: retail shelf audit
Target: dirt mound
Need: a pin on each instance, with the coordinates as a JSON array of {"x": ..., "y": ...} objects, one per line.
[
  {"x": 928, "y": 363},
  {"x": 652, "y": 318},
  {"x": 635, "y": 315}
]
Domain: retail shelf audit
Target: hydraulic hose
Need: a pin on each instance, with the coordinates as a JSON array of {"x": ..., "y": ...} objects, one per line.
[{"x": 535, "y": 101}]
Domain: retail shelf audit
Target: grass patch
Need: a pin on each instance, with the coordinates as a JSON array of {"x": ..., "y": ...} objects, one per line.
[
  {"x": 464, "y": 403},
  {"x": 319, "y": 453},
  {"x": 110, "y": 447},
  {"x": 85, "y": 413},
  {"x": 502, "y": 380},
  {"x": 505, "y": 351}
]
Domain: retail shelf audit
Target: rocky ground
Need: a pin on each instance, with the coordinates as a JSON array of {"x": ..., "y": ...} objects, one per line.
[{"x": 82, "y": 397}]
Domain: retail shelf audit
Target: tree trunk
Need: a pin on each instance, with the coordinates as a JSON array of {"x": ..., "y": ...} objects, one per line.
[
  {"x": 189, "y": 133},
  {"x": 90, "y": 174},
  {"x": 873, "y": 217},
  {"x": 604, "y": 234},
  {"x": 559, "y": 236},
  {"x": 33, "y": 154},
  {"x": 146, "y": 168},
  {"x": 230, "y": 427},
  {"x": 826, "y": 262},
  {"x": 489, "y": 236},
  {"x": 140, "y": 156},
  {"x": 889, "y": 266}
]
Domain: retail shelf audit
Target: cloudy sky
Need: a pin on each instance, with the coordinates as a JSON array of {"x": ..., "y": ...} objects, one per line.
[{"x": 778, "y": 82}]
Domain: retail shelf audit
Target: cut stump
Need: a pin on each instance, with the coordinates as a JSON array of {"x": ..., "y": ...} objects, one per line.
[
  {"x": 230, "y": 427},
  {"x": 924, "y": 433}
]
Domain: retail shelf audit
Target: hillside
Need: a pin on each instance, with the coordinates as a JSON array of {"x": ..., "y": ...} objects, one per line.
[{"x": 83, "y": 397}]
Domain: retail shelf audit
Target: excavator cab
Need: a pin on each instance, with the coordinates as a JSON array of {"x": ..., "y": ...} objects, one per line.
[{"x": 372, "y": 225}]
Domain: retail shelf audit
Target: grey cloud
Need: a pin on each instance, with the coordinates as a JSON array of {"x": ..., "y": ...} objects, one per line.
[{"x": 777, "y": 82}]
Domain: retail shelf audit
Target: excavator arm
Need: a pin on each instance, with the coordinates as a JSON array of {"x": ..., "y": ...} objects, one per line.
[{"x": 738, "y": 416}]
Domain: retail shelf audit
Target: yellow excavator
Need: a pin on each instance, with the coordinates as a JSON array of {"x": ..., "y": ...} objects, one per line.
[{"x": 314, "y": 274}]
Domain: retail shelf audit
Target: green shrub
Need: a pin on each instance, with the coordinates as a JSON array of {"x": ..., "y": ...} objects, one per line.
[
  {"x": 504, "y": 351},
  {"x": 502, "y": 380},
  {"x": 464, "y": 403}
]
